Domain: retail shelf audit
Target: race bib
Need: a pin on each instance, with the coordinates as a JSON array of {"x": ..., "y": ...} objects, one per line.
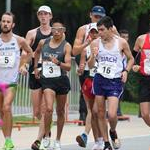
[
  {"x": 147, "y": 66},
  {"x": 7, "y": 59},
  {"x": 107, "y": 70},
  {"x": 51, "y": 70}
]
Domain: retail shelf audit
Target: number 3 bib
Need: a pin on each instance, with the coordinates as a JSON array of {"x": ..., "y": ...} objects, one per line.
[
  {"x": 7, "y": 59},
  {"x": 50, "y": 70}
]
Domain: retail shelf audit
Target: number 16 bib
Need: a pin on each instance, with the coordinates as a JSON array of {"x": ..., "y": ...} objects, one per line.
[{"x": 107, "y": 69}]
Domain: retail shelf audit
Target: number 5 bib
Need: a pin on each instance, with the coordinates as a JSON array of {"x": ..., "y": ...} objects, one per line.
[
  {"x": 7, "y": 59},
  {"x": 50, "y": 70}
]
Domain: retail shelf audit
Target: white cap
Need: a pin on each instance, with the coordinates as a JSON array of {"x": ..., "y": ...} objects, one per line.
[
  {"x": 93, "y": 26},
  {"x": 44, "y": 8}
]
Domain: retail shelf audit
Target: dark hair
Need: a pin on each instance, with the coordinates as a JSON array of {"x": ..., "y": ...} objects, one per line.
[
  {"x": 106, "y": 21},
  {"x": 10, "y": 14},
  {"x": 124, "y": 31},
  {"x": 57, "y": 20}
]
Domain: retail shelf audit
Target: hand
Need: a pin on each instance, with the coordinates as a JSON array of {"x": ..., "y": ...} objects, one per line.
[
  {"x": 81, "y": 69},
  {"x": 124, "y": 76},
  {"x": 37, "y": 73},
  {"x": 23, "y": 70},
  {"x": 54, "y": 60},
  {"x": 94, "y": 51},
  {"x": 136, "y": 68}
]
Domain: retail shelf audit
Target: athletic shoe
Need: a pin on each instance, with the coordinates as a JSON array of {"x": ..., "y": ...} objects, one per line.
[
  {"x": 57, "y": 145},
  {"x": 115, "y": 141},
  {"x": 82, "y": 140},
  {"x": 8, "y": 144},
  {"x": 1, "y": 122},
  {"x": 108, "y": 147},
  {"x": 36, "y": 145},
  {"x": 99, "y": 144},
  {"x": 46, "y": 142}
]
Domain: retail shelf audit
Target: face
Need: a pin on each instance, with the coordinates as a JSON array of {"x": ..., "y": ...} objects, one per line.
[
  {"x": 104, "y": 33},
  {"x": 93, "y": 34},
  {"x": 95, "y": 18},
  {"x": 57, "y": 30},
  {"x": 7, "y": 23},
  {"x": 125, "y": 36},
  {"x": 44, "y": 17}
]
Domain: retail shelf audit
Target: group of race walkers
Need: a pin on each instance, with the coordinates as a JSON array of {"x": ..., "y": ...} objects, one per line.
[{"x": 106, "y": 55}]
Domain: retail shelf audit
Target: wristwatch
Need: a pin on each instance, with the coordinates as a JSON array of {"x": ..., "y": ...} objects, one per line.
[{"x": 58, "y": 63}]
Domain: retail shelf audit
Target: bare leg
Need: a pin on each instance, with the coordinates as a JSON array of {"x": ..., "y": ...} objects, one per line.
[
  {"x": 38, "y": 110},
  {"x": 89, "y": 115},
  {"x": 95, "y": 126},
  {"x": 60, "y": 109},
  {"x": 112, "y": 112},
  {"x": 49, "y": 96},
  {"x": 7, "y": 113},
  {"x": 145, "y": 112},
  {"x": 100, "y": 101}
]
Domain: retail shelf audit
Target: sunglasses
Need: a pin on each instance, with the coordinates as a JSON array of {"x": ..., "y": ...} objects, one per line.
[{"x": 58, "y": 29}]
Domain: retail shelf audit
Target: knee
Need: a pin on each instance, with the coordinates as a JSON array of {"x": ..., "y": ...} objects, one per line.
[
  {"x": 112, "y": 116},
  {"x": 60, "y": 112},
  {"x": 145, "y": 116},
  {"x": 37, "y": 114},
  {"x": 100, "y": 113},
  {"x": 94, "y": 113},
  {"x": 6, "y": 108},
  {"x": 49, "y": 110}
]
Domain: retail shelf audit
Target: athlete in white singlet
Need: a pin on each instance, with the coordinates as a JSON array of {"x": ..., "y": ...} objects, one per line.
[
  {"x": 110, "y": 77},
  {"x": 10, "y": 67}
]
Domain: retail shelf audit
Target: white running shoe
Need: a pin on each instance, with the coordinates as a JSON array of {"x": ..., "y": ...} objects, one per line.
[
  {"x": 99, "y": 145},
  {"x": 57, "y": 145},
  {"x": 46, "y": 142}
]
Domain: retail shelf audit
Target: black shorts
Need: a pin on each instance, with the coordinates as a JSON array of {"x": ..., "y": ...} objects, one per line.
[
  {"x": 33, "y": 82},
  {"x": 60, "y": 85},
  {"x": 144, "y": 89}
]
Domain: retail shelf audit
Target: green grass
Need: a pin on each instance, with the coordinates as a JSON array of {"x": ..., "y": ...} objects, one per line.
[
  {"x": 129, "y": 108},
  {"x": 22, "y": 118}
]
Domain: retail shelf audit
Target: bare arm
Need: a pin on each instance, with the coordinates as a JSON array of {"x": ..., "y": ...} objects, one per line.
[
  {"x": 37, "y": 53},
  {"x": 127, "y": 52},
  {"x": 25, "y": 46},
  {"x": 94, "y": 52},
  {"x": 137, "y": 48},
  {"x": 79, "y": 43}
]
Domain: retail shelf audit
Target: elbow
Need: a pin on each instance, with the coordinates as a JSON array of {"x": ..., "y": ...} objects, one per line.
[
  {"x": 74, "y": 52},
  {"x": 69, "y": 68}
]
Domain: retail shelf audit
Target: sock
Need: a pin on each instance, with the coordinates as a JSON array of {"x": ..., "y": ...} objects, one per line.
[{"x": 99, "y": 139}]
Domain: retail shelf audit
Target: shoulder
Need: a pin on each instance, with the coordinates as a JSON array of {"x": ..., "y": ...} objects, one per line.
[
  {"x": 41, "y": 42},
  {"x": 141, "y": 37},
  {"x": 20, "y": 39},
  {"x": 32, "y": 32},
  {"x": 68, "y": 45},
  {"x": 95, "y": 43},
  {"x": 140, "y": 41},
  {"x": 82, "y": 29}
]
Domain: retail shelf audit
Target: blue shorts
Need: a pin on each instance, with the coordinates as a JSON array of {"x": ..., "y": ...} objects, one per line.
[{"x": 107, "y": 87}]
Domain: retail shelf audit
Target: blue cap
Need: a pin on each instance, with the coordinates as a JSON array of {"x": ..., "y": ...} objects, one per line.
[{"x": 98, "y": 10}]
